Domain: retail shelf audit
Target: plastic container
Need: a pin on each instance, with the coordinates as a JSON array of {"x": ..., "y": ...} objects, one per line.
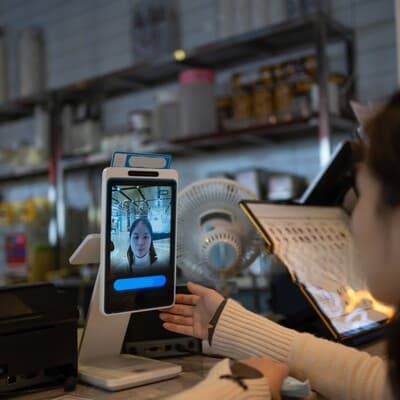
[
  {"x": 166, "y": 116},
  {"x": 31, "y": 62},
  {"x": 139, "y": 129},
  {"x": 198, "y": 105}
]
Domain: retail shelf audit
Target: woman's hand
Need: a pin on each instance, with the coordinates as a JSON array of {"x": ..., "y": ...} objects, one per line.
[
  {"x": 274, "y": 372},
  {"x": 192, "y": 313}
]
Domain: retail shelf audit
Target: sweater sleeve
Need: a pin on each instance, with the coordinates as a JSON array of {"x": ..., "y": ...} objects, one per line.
[
  {"x": 217, "y": 386},
  {"x": 334, "y": 370},
  {"x": 240, "y": 334}
]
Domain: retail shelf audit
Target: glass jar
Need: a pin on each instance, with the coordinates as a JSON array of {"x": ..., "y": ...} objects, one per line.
[
  {"x": 166, "y": 116},
  {"x": 303, "y": 81},
  {"x": 282, "y": 95},
  {"x": 264, "y": 97},
  {"x": 242, "y": 101},
  {"x": 224, "y": 112}
]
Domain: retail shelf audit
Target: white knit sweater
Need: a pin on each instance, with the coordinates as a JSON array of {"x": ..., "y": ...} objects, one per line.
[{"x": 335, "y": 371}]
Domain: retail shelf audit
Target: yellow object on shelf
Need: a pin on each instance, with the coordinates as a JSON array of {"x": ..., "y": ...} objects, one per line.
[
  {"x": 43, "y": 260},
  {"x": 27, "y": 211},
  {"x": 6, "y": 213},
  {"x": 242, "y": 99},
  {"x": 264, "y": 109},
  {"x": 283, "y": 95}
]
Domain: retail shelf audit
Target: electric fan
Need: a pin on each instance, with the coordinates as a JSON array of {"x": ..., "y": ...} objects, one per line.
[{"x": 215, "y": 238}]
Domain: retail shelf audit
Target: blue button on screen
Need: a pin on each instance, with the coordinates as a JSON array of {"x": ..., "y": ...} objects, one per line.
[{"x": 143, "y": 282}]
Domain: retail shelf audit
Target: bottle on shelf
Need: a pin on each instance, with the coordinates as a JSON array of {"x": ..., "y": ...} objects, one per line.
[
  {"x": 301, "y": 89},
  {"x": 264, "y": 109},
  {"x": 335, "y": 81},
  {"x": 224, "y": 112},
  {"x": 333, "y": 87},
  {"x": 282, "y": 94},
  {"x": 301, "y": 99},
  {"x": 224, "y": 105},
  {"x": 243, "y": 104}
]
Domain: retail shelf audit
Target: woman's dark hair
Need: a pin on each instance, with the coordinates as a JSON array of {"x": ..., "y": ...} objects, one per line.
[
  {"x": 381, "y": 154},
  {"x": 152, "y": 251}
]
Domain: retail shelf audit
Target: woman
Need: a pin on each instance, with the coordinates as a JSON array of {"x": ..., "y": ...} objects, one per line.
[
  {"x": 141, "y": 252},
  {"x": 335, "y": 371}
]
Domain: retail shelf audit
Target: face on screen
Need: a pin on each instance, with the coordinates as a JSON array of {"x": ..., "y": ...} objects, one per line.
[{"x": 140, "y": 230}]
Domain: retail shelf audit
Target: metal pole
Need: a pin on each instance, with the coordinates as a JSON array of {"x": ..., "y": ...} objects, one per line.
[
  {"x": 56, "y": 196},
  {"x": 322, "y": 80}
]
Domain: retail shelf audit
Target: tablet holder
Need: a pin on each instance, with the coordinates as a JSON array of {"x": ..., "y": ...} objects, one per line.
[{"x": 100, "y": 361}]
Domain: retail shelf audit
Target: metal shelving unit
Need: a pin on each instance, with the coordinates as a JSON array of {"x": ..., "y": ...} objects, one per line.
[
  {"x": 313, "y": 33},
  {"x": 24, "y": 173},
  {"x": 284, "y": 131},
  {"x": 306, "y": 127}
]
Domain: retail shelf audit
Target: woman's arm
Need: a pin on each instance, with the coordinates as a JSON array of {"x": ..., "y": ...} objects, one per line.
[{"x": 334, "y": 370}]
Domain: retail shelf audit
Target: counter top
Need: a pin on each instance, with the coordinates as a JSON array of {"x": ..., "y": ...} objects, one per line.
[
  {"x": 194, "y": 370},
  {"x": 194, "y": 367}
]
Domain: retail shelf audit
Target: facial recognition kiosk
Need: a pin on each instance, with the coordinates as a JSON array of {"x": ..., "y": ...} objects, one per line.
[{"x": 136, "y": 251}]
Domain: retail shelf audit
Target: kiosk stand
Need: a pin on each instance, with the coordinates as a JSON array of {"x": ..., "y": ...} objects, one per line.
[{"x": 100, "y": 362}]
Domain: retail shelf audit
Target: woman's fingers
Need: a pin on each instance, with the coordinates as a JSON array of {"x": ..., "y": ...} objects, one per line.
[
  {"x": 188, "y": 299},
  {"x": 176, "y": 319},
  {"x": 180, "y": 309},
  {"x": 182, "y": 329},
  {"x": 197, "y": 289}
]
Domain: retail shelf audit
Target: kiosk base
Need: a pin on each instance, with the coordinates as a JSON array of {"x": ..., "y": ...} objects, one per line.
[{"x": 125, "y": 371}]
